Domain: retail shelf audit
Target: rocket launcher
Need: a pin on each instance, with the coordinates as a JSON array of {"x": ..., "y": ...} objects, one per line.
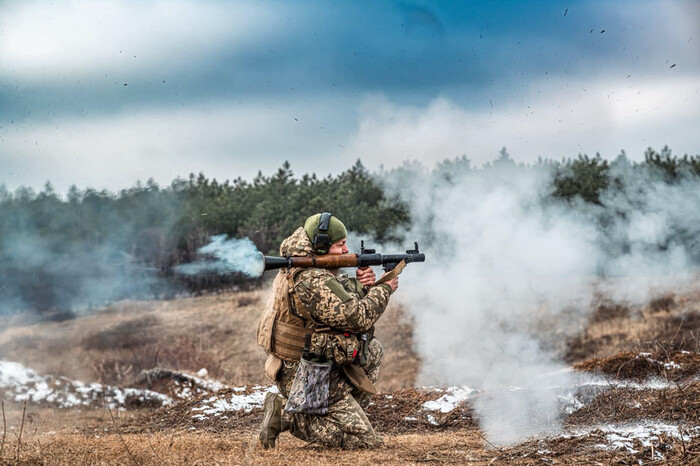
[{"x": 366, "y": 258}]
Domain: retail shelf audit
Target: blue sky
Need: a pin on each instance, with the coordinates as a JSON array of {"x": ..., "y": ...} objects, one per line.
[{"x": 104, "y": 93}]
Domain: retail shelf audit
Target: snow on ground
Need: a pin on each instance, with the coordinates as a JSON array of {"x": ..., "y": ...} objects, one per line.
[
  {"x": 19, "y": 383},
  {"x": 216, "y": 406},
  {"x": 453, "y": 397},
  {"x": 632, "y": 436},
  {"x": 202, "y": 384}
]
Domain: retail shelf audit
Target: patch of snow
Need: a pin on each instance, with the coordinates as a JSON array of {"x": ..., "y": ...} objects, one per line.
[
  {"x": 216, "y": 406},
  {"x": 452, "y": 398},
  {"x": 431, "y": 419},
  {"x": 203, "y": 372},
  {"x": 20, "y": 383},
  {"x": 627, "y": 436}
]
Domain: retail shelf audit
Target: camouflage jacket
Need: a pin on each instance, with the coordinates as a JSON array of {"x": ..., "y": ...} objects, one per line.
[{"x": 336, "y": 301}]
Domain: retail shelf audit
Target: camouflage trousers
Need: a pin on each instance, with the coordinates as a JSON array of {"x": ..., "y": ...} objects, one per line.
[{"x": 346, "y": 424}]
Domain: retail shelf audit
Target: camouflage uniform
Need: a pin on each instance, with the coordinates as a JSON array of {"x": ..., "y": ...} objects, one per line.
[{"x": 345, "y": 305}]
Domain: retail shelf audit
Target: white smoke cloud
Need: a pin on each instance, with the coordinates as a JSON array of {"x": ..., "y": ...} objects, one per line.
[
  {"x": 510, "y": 273},
  {"x": 227, "y": 256}
]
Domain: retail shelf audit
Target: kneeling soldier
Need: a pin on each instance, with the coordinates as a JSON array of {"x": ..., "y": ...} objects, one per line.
[{"x": 328, "y": 319}]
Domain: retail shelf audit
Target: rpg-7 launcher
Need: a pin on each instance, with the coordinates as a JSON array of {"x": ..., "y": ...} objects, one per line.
[{"x": 366, "y": 258}]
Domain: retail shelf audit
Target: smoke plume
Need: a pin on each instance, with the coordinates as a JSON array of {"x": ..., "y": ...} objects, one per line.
[
  {"x": 36, "y": 275},
  {"x": 511, "y": 271},
  {"x": 227, "y": 256}
]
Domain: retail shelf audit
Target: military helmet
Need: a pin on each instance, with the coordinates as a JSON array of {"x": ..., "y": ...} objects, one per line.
[{"x": 323, "y": 230}]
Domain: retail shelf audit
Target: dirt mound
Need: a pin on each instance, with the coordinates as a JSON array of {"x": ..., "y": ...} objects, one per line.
[
  {"x": 226, "y": 410},
  {"x": 679, "y": 404},
  {"x": 19, "y": 383},
  {"x": 413, "y": 410},
  {"x": 674, "y": 365}
]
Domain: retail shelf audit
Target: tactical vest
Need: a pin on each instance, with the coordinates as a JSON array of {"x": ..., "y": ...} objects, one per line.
[{"x": 280, "y": 331}]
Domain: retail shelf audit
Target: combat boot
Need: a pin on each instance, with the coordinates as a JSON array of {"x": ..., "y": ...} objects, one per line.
[{"x": 272, "y": 423}]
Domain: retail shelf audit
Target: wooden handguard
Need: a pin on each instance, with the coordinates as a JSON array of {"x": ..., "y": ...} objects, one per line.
[{"x": 326, "y": 262}]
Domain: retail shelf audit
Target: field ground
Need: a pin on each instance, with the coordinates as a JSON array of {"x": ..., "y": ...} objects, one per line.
[{"x": 647, "y": 407}]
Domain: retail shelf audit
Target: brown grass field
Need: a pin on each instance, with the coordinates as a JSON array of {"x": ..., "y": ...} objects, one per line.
[{"x": 216, "y": 332}]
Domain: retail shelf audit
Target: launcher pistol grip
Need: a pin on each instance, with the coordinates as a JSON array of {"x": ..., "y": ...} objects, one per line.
[{"x": 389, "y": 266}]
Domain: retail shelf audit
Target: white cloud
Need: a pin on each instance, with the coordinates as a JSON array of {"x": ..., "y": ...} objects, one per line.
[
  {"x": 554, "y": 119},
  {"x": 223, "y": 140},
  {"x": 69, "y": 39}
]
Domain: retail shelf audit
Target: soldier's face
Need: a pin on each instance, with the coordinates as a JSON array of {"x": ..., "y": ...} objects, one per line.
[{"x": 338, "y": 248}]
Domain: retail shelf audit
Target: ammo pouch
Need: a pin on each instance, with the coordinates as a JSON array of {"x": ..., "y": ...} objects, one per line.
[
  {"x": 341, "y": 348},
  {"x": 344, "y": 348},
  {"x": 310, "y": 389}
]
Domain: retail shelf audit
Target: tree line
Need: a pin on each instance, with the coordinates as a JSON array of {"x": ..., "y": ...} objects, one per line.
[{"x": 157, "y": 227}]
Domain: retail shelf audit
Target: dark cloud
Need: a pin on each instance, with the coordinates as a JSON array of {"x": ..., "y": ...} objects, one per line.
[{"x": 415, "y": 50}]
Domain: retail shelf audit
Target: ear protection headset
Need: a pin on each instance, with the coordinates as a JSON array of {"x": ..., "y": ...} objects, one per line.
[{"x": 322, "y": 240}]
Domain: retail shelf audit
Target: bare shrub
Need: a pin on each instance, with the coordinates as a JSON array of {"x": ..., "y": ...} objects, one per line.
[
  {"x": 609, "y": 311},
  {"x": 247, "y": 300},
  {"x": 122, "y": 367},
  {"x": 184, "y": 353},
  {"x": 663, "y": 303},
  {"x": 190, "y": 354}
]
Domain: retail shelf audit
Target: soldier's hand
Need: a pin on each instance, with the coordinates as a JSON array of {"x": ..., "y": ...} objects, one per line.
[
  {"x": 366, "y": 276},
  {"x": 393, "y": 283}
]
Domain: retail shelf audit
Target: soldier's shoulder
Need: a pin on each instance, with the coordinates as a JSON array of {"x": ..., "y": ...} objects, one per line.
[{"x": 313, "y": 275}]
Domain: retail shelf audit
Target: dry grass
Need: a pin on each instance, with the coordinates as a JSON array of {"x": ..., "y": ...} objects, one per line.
[
  {"x": 94, "y": 437},
  {"x": 216, "y": 332},
  {"x": 674, "y": 366},
  {"x": 680, "y": 405},
  {"x": 667, "y": 323},
  {"x": 242, "y": 448}
]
